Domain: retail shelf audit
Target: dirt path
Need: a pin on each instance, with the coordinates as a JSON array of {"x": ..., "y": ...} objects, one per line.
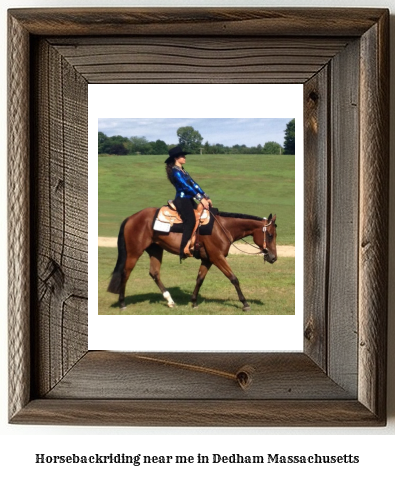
[{"x": 284, "y": 251}]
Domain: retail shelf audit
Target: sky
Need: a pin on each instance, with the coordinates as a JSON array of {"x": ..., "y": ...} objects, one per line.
[{"x": 226, "y": 131}]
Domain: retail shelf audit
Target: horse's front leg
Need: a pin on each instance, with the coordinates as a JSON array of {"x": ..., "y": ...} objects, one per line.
[
  {"x": 224, "y": 267},
  {"x": 204, "y": 268}
]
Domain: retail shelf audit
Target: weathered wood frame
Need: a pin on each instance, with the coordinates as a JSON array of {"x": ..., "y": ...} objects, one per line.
[{"x": 342, "y": 57}]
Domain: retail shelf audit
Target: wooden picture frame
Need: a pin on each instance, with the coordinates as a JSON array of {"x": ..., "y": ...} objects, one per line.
[{"x": 342, "y": 58}]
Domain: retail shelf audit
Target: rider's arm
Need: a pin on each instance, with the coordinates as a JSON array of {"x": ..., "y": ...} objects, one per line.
[{"x": 186, "y": 183}]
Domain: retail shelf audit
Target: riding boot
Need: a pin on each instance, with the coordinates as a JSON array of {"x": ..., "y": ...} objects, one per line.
[
  {"x": 186, "y": 210},
  {"x": 189, "y": 248}
]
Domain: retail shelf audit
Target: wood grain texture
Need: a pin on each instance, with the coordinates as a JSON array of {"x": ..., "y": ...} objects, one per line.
[
  {"x": 374, "y": 223},
  {"x": 314, "y": 388},
  {"x": 202, "y": 413},
  {"x": 344, "y": 216},
  {"x": 18, "y": 218},
  {"x": 175, "y": 22},
  {"x": 61, "y": 198},
  {"x": 183, "y": 60},
  {"x": 316, "y": 214},
  {"x": 284, "y": 376}
]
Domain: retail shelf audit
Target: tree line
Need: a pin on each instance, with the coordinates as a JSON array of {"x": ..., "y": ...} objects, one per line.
[{"x": 192, "y": 141}]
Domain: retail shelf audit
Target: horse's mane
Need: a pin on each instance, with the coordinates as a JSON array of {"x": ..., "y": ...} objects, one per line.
[{"x": 237, "y": 215}]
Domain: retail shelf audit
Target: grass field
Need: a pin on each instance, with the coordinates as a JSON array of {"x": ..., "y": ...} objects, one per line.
[
  {"x": 249, "y": 184},
  {"x": 270, "y": 289}
]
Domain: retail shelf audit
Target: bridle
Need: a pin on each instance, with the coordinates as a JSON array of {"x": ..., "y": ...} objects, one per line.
[
  {"x": 264, "y": 229},
  {"x": 263, "y": 251}
]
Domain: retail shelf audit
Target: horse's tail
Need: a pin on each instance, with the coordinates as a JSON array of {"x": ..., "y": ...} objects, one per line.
[{"x": 118, "y": 273}]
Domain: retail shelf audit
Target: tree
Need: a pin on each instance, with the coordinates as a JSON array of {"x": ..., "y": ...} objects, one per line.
[
  {"x": 289, "y": 139},
  {"x": 120, "y": 145},
  {"x": 112, "y": 145},
  {"x": 271, "y": 147},
  {"x": 117, "y": 145},
  {"x": 159, "y": 147},
  {"x": 240, "y": 149},
  {"x": 207, "y": 148},
  {"x": 102, "y": 141},
  {"x": 117, "y": 149},
  {"x": 190, "y": 139},
  {"x": 139, "y": 144}
]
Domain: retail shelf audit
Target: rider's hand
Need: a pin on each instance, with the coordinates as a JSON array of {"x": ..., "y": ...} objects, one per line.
[{"x": 206, "y": 203}]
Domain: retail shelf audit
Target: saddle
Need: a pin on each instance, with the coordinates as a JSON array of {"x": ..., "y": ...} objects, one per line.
[{"x": 168, "y": 216}]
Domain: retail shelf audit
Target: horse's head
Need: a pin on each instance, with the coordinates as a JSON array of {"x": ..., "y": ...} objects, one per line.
[{"x": 265, "y": 238}]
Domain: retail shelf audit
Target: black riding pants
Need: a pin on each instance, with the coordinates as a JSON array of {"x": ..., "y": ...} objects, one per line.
[{"x": 185, "y": 208}]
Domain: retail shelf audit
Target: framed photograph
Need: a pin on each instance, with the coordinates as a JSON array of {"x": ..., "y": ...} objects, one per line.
[
  {"x": 341, "y": 59},
  {"x": 239, "y": 160}
]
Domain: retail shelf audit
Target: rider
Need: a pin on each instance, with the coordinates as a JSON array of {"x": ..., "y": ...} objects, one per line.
[{"x": 187, "y": 190}]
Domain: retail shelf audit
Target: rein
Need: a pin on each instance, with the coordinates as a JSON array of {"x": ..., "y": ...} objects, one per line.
[{"x": 242, "y": 239}]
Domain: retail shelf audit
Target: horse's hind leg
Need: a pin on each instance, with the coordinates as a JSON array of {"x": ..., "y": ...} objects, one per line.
[
  {"x": 131, "y": 261},
  {"x": 204, "y": 268},
  {"x": 156, "y": 254}
]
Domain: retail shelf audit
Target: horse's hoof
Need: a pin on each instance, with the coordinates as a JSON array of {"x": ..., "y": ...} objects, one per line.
[
  {"x": 195, "y": 305},
  {"x": 122, "y": 308},
  {"x": 171, "y": 305},
  {"x": 246, "y": 308}
]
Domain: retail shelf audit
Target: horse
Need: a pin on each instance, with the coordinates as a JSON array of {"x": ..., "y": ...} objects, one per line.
[{"x": 136, "y": 236}]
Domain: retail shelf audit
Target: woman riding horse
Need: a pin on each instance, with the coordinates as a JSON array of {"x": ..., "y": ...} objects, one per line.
[
  {"x": 136, "y": 236},
  {"x": 187, "y": 190}
]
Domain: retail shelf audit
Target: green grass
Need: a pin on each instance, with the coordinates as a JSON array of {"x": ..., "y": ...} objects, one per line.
[
  {"x": 249, "y": 184},
  {"x": 270, "y": 289}
]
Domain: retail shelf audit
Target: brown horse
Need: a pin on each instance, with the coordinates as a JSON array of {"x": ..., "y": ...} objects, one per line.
[{"x": 136, "y": 235}]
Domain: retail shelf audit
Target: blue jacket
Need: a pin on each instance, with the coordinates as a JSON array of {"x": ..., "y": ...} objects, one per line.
[{"x": 186, "y": 186}]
